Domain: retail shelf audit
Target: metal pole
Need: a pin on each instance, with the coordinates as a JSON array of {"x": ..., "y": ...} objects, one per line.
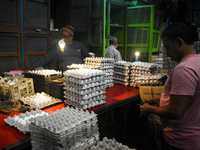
[{"x": 62, "y": 63}]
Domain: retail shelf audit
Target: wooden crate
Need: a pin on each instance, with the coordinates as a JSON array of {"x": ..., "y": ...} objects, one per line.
[{"x": 23, "y": 87}]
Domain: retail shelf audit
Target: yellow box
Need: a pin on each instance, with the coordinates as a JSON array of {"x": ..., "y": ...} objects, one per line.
[{"x": 150, "y": 92}]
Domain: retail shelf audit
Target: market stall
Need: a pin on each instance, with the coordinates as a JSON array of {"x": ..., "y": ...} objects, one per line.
[{"x": 118, "y": 98}]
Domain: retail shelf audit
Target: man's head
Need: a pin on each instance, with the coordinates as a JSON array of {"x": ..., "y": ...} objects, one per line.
[
  {"x": 177, "y": 39},
  {"x": 67, "y": 34},
  {"x": 113, "y": 41}
]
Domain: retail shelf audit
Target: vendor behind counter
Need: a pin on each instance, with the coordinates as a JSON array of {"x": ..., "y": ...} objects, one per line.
[{"x": 74, "y": 52}]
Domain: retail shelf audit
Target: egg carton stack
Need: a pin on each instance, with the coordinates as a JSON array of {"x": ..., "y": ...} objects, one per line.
[
  {"x": 84, "y": 88},
  {"x": 157, "y": 79},
  {"x": 104, "y": 64},
  {"x": 77, "y": 66},
  {"x": 137, "y": 69},
  {"x": 167, "y": 64},
  {"x": 122, "y": 72},
  {"x": 109, "y": 144},
  {"x": 40, "y": 100},
  {"x": 159, "y": 62},
  {"x": 22, "y": 121},
  {"x": 64, "y": 129}
]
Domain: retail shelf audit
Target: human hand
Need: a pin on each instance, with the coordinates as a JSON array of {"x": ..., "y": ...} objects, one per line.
[
  {"x": 154, "y": 102},
  {"x": 145, "y": 108}
]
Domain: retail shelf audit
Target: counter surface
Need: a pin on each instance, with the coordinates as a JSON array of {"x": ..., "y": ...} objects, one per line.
[{"x": 116, "y": 94}]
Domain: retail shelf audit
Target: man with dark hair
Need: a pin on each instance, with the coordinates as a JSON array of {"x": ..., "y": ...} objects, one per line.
[
  {"x": 179, "y": 106},
  {"x": 111, "y": 51},
  {"x": 74, "y": 51}
]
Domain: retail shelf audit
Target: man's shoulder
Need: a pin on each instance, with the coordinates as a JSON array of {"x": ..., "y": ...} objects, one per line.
[{"x": 77, "y": 42}]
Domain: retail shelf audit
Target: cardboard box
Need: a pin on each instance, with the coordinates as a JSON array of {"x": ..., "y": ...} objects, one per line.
[{"x": 150, "y": 92}]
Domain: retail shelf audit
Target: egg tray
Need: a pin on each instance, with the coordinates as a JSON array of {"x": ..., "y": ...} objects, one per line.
[
  {"x": 84, "y": 86},
  {"x": 140, "y": 71},
  {"x": 26, "y": 100},
  {"x": 84, "y": 97},
  {"x": 108, "y": 70},
  {"x": 84, "y": 73},
  {"x": 76, "y": 140},
  {"x": 109, "y": 77},
  {"x": 110, "y": 144},
  {"x": 22, "y": 121},
  {"x": 73, "y": 133},
  {"x": 66, "y": 115},
  {"x": 123, "y": 77},
  {"x": 109, "y": 85},
  {"x": 108, "y": 81},
  {"x": 45, "y": 72},
  {"x": 123, "y": 63},
  {"x": 99, "y": 60},
  {"x": 99, "y": 63},
  {"x": 133, "y": 84},
  {"x": 85, "y": 106},
  {"x": 85, "y": 80},
  {"x": 121, "y": 73},
  {"x": 93, "y": 101},
  {"x": 82, "y": 145},
  {"x": 84, "y": 91},
  {"x": 121, "y": 70},
  {"x": 122, "y": 67},
  {"x": 107, "y": 67}
]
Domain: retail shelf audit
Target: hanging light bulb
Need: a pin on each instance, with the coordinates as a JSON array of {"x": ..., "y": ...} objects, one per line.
[{"x": 62, "y": 45}]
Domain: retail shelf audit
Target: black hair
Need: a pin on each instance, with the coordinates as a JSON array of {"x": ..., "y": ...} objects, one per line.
[
  {"x": 112, "y": 40},
  {"x": 179, "y": 30}
]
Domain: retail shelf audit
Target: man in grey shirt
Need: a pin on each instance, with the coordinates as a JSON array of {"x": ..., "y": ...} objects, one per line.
[
  {"x": 74, "y": 52},
  {"x": 111, "y": 51}
]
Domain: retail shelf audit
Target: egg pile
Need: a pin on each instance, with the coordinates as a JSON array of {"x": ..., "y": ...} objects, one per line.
[
  {"x": 84, "y": 88},
  {"x": 104, "y": 64},
  {"x": 151, "y": 79},
  {"x": 22, "y": 121},
  {"x": 40, "y": 100},
  {"x": 110, "y": 144},
  {"x": 122, "y": 72},
  {"x": 68, "y": 128},
  {"x": 137, "y": 69},
  {"x": 46, "y": 72}
]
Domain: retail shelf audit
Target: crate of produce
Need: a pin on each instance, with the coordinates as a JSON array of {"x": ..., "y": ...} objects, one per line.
[{"x": 13, "y": 88}]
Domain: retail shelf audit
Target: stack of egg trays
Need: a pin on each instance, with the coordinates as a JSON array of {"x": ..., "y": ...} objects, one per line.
[
  {"x": 104, "y": 64},
  {"x": 151, "y": 79},
  {"x": 22, "y": 121},
  {"x": 68, "y": 128},
  {"x": 85, "y": 92},
  {"x": 138, "y": 69},
  {"x": 122, "y": 72},
  {"x": 110, "y": 144}
]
